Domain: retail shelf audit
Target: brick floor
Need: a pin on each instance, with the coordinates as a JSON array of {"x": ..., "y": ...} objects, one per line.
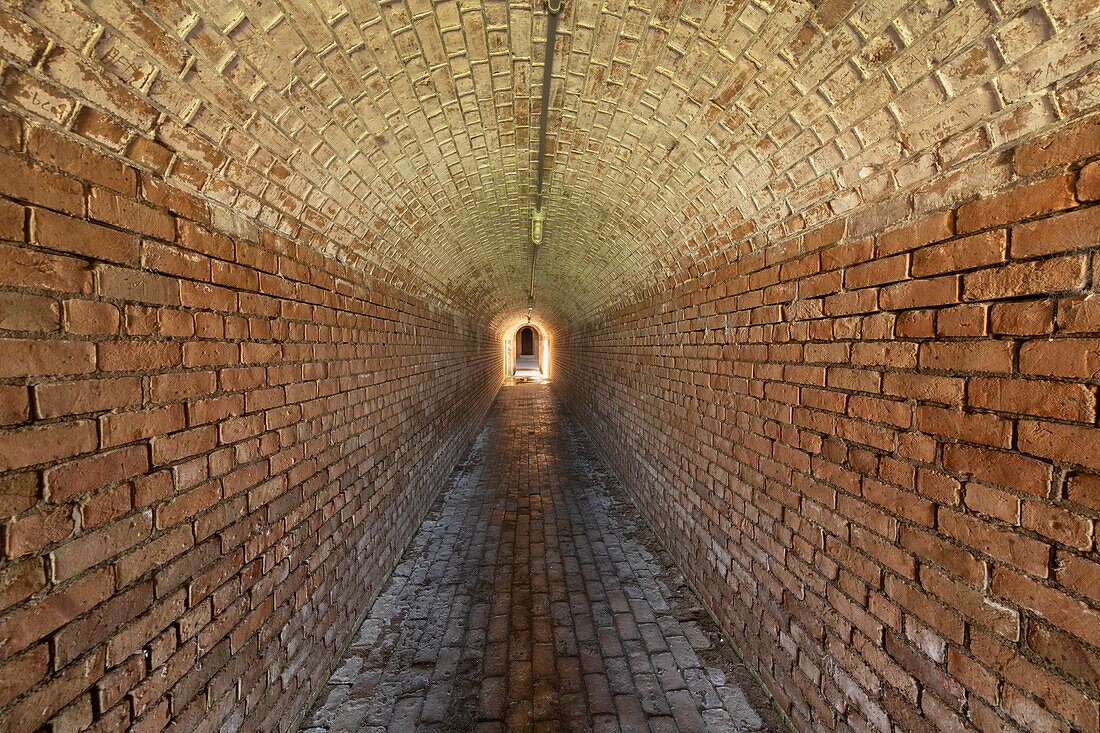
[{"x": 534, "y": 598}]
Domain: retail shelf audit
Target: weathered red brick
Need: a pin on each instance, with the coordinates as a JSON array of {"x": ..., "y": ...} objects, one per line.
[
  {"x": 202, "y": 295},
  {"x": 90, "y": 124},
  {"x": 106, "y": 505},
  {"x": 96, "y": 472},
  {"x": 1072, "y": 358},
  {"x": 27, "y": 268},
  {"x": 23, "y": 672},
  {"x": 1062, "y": 233},
  {"x": 877, "y": 272},
  {"x": 20, "y": 580},
  {"x": 36, "y": 96},
  {"x": 1024, "y": 202},
  {"x": 34, "y": 357},
  {"x": 12, "y": 219},
  {"x": 14, "y": 404},
  {"x": 149, "y": 154},
  {"x": 920, "y": 293},
  {"x": 1030, "y": 318},
  {"x": 36, "y": 531},
  {"x": 109, "y": 207},
  {"x": 152, "y": 321},
  {"x": 967, "y": 356},
  {"x": 89, "y": 317},
  {"x": 182, "y": 385},
  {"x": 75, "y": 236},
  {"x": 1026, "y": 278},
  {"x": 1039, "y": 398},
  {"x": 210, "y": 353},
  {"x": 119, "y": 680},
  {"x": 1048, "y": 603},
  {"x": 145, "y": 628},
  {"x": 31, "y": 623},
  {"x": 36, "y": 186},
  {"x": 1061, "y": 443},
  {"x": 172, "y": 260},
  {"x": 135, "y": 356},
  {"x": 962, "y": 321},
  {"x": 1005, "y": 469},
  {"x": 18, "y": 492},
  {"x": 164, "y": 195},
  {"x": 972, "y": 427},
  {"x": 977, "y": 250},
  {"x": 992, "y": 502},
  {"x": 43, "y": 443},
  {"x": 179, "y": 446},
  {"x": 1079, "y": 314},
  {"x": 1088, "y": 182},
  {"x": 1083, "y": 489},
  {"x": 78, "y": 636},
  {"x": 26, "y": 312},
  {"x": 930, "y": 548},
  {"x": 1066, "y": 146},
  {"x": 164, "y": 546},
  {"x": 973, "y": 603},
  {"x": 1068, "y": 655},
  {"x": 1005, "y": 545},
  {"x": 80, "y": 161},
  {"x": 153, "y": 487},
  {"x": 55, "y": 399},
  {"x": 127, "y": 427},
  {"x": 1057, "y": 524},
  {"x": 30, "y": 712},
  {"x": 934, "y": 228},
  {"x": 136, "y": 286},
  {"x": 186, "y": 505}
]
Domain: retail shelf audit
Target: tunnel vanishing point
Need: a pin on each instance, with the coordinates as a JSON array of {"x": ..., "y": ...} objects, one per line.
[{"x": 814, "y": 282}]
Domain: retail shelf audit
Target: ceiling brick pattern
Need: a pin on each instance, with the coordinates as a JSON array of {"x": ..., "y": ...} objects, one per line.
[{"x": 405, "y": 133}]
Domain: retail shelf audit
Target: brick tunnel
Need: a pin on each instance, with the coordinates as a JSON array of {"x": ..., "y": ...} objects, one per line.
[{"x": 804, "y": 435}]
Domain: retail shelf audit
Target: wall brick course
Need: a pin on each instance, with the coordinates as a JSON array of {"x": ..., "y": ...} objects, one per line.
[
  {"x": 1046, "y": 196},
  {"x": 27, "y": 268},
  {"x": 69, "y": 156},
  {"x": 1026, "y": 278},
  {"x": 998, "y": 404},
  {"x": 90, "y": 318},
  {"x": 987, "y": 248},
  {"x": 141, "y": 527},
  {"x": 26, "y": 182}
]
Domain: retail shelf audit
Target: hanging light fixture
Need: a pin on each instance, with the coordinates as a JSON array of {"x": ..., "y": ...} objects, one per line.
[{"x": 537, "y": 217}]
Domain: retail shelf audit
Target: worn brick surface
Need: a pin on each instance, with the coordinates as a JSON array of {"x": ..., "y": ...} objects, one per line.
[
  {"x": 534, "y": 598},
  {"x": 405, "y": 135},
  {"x": 194, "y": 452},
  {"x": 868, "y": 492},
  {"x": 797, "y": 254}
]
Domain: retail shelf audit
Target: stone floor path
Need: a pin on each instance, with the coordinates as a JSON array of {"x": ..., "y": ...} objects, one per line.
[{"x": 534, "y": 598}]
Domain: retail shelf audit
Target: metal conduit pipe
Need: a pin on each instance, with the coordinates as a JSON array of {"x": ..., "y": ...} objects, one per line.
[{"x": 553, "y": 7}]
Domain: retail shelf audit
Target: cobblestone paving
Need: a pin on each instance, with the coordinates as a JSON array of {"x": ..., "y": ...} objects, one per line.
[{"x": 534, "y": 598}]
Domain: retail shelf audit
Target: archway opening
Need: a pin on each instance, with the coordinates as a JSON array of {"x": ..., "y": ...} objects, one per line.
[{"x": 526, "y": 353}]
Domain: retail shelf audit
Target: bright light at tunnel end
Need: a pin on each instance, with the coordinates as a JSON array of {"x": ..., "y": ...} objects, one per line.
[{"x": 525, "y": 374}]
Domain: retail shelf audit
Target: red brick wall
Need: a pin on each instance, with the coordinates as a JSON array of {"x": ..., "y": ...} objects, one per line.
[
  {"x": 876, "y": 452},
  {"x": 214, "y": 447}
]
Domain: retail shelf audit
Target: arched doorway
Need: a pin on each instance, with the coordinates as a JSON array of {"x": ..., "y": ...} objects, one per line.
[{"x": 527, "y": 351}]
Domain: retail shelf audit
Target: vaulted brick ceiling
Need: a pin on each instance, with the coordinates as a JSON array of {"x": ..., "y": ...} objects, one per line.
[{"x": 406, "y": 132}]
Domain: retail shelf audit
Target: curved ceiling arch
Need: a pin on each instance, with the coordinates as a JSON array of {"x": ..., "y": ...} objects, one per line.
[{"x": 403, "y": 134}]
